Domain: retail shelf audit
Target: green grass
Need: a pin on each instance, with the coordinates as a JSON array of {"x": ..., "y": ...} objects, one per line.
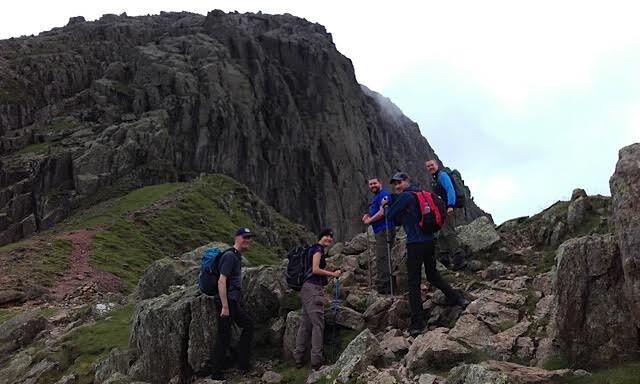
[
  {"x": 83, "y": 347},
  {"x": 38, "y": 148},
  {"x": 109, "y": 212},
  {"x": 186, "y": 217},
  {"x": 7, "y": 314},
  {"x": 55, "y": 259},
  {"x": 556, "y": 362},
  {"x": 60, "y": 126},
  {"x": 624, "y": 374},
  {"x": 293, "y": 375}
]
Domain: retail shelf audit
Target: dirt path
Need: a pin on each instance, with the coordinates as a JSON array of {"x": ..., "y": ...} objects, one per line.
[{"x": 81, "y": 273}]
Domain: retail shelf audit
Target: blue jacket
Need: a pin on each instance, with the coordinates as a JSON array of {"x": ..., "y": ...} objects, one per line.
[
  {"x": 374, "y": 207},
  {"x": 446, "y": 187},
  {"x": 405, "y": 211}
]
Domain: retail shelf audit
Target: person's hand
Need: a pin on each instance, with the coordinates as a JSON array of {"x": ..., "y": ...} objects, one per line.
[
  {"x": 366, "y": 219},
  {"x": 337, "y": 273},
  {"x": 225, "y": 312},
  {"x": 449, "y": 211}
]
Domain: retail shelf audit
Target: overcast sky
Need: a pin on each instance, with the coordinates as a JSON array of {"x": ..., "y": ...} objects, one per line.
[{"x": 528, "y": 99}]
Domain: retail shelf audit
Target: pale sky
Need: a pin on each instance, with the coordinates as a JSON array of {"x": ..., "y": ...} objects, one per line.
[{"x": 528, "y": 99}]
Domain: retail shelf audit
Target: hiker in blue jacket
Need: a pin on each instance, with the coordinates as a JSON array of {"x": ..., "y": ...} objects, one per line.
[
  {"x": 404, "y": 211},
  {"x": 384, "y": 232},
  {"x": 449, "y": 251}
]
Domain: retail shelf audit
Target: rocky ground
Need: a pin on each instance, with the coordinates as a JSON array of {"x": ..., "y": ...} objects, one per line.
[{"x": 545, "y": 305}]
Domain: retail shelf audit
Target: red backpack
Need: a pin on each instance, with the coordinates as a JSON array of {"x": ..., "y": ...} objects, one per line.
[{"x": 433, "y": 210}]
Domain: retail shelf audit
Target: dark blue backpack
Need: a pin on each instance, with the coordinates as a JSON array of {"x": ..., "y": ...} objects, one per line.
[
  {"x": 299, "y": 267},
  {"x": 209, "y": 273}
]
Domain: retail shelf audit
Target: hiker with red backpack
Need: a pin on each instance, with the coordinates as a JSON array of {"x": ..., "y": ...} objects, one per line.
[
  {"x": 443, "y": 184},
  {"x": 315, "y": 278},
  {"x": 421, "y": 215}
]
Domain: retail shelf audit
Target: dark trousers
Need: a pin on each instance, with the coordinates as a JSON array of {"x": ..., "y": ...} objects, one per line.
[
  {"x": 242, "y": 319},
  {"x": 419, "y": 254}
]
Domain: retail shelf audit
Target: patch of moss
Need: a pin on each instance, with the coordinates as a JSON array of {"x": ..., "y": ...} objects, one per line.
[
  {"x": 36, "y": 149},
  {"x": 556, "y": 362},
  {"x": 628, "y": 373},
  {"x": 293, "y": 375},
  {"x": 82, "y": 348},
  {"x": 60, "y": 126},
  {"x": 55, "y": 259},
  {"x": 7, "y": 314},
  {"x": 544, "y": 262},
  {"x": 333, "y": 348}
]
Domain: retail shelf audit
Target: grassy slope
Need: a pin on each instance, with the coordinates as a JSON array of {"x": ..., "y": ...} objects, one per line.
[{"x": 184, "y": 216}]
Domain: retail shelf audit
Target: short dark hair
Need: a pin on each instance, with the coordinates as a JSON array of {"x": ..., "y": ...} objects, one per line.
[{"x": 373, "y": 177}]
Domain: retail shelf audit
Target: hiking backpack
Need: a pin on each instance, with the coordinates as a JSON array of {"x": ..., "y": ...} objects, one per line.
[
  {"x": 298, "y": 268},
  {"x": 209, "y": 273},
  {"x": 433, "y": 211},
  {"x": 458, "y": 186}
]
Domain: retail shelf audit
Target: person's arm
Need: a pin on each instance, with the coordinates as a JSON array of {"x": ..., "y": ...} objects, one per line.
[
  {"x": 398, "y": 205},
  {"x": 222, "y": 292},
  {"x": 316, "y": 270},
  {"x": 446, "y": 183}
]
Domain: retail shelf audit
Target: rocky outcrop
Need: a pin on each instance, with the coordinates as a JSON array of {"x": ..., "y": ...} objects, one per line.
[
  {"x": 499, "y": 372},
  {"x": 360, "y": 353},
  {"x": 20, "y": 331},
  {"x": 479, "y": 235},
  {"x": 625, "y": 191},
  {"x": 593, "y": 319},
  {"x": 265, "y": 99},
  {"x": 435, "y": 350}
]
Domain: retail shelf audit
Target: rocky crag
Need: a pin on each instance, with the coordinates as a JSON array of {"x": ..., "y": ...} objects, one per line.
[{"x": 97, "y": 108}]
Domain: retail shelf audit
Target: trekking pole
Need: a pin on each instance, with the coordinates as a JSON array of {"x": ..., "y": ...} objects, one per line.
[
  {"x": 334, "y": 307},
  {"x": 369, "y": 255},
  {"x": 386, "y": 225}
]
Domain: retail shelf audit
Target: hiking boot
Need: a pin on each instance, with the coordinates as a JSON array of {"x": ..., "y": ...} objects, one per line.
[
  {"x": 383, "y": 290},
  {"x": 299, "y": 364},
  {"x": 414, "y": 332},
  {"x": 316, "y": 366},
  {"x": 217, "y": 376},
  {"x": 445, "y": 261}
]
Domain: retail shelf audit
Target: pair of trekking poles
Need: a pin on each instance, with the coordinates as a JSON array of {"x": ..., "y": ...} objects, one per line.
[{"x": 386, "y": 225}]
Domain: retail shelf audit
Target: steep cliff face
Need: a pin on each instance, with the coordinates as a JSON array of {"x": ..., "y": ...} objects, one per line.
[{"x": 132, "y": 101}]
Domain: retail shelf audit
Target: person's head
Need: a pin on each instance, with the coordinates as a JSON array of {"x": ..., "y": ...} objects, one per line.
[
  {"x": 325, "y": 237},
  {"x": 242, "y": 239},
  {"x": 400, "y": 181},
  {"x": 374, "y": 184},
  {"x": 431, "y": 166}
]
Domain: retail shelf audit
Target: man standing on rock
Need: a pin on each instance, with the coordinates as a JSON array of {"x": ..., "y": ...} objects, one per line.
[
  {"x": 227, "y": 303},
  {"x": 449, "y": 251},
  {"x": 420, "y": 250},
  {"x": 384, "y": 231},
  {"x": 313, "y": 300}
]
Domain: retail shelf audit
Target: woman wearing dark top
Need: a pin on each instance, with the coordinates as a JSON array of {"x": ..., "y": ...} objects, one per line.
[{"x": 312, "y": 297}]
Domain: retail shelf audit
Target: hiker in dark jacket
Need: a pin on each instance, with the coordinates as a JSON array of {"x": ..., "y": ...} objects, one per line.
[
  {"x": 227, "y": 303},
  {"x": 384, "y": 231},
  {"x": 420, "y": 250},
  {"x": 313, "y": 301},
  {"x": 449, "y": 251}
]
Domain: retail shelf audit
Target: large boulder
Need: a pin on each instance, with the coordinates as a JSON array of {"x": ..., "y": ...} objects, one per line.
[
  {"x": 357, "y": 245},
  {"x": 360, "y": 353},
  {"x": 173, "y": 336},
  {"x": 593, "y": 320},
  {"x": 20, "y": 331},
  {"x": 501, "y": 372},
  {"x": 625, "y": 192},
  {"x": 344, "y": 317},
  {"x": 435, "y": 350},
  {"x": 290, "y": 331},
  {"x": 479, "y": 235}
]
